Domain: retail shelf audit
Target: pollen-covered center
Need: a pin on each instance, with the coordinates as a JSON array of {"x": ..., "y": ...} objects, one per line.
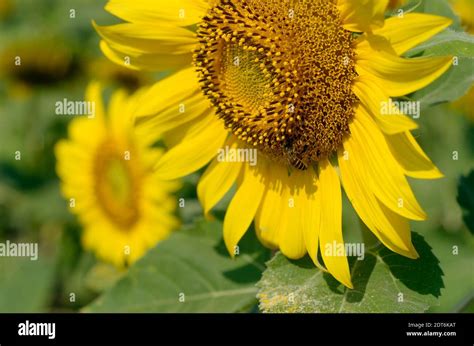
[
  {"x": 239, "y": 69},
  {"x": 280, "y": 73},
  {"x": 116, "y": 185}
]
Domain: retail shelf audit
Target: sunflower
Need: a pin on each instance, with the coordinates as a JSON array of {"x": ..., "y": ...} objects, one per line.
[
  {"x": 106, "y": 173},
  {"x": 302, "y": 83},
  {"x": 31, "y": 63},
  {"x": 115, "y": 75}
]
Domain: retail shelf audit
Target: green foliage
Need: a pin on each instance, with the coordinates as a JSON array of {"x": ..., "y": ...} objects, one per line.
[
  {"x": 383, "y": 282},
  {"x": 451, "y": 86},
  {"x": 447, "y": 43},
  {"x": 26, "y": 285},
  {"x": 194, "y": 260},
  {"x": 193, "y": 265},
  {"x": 466, "y": 199},
  {"x": 456, "y": 254}
]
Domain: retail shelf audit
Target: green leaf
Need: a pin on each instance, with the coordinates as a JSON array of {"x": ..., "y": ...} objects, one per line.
[
  {"x": 451, "y": 86},
  {"x": 101, "y": 277},
  {"x": 466, "y": 199},
  {"x": 25, "y": 285},
  {"x": 455, "y": 250},
  {"x": 192, "y": 264},
  {"x": 383, "y": 282},
  {"x": 447, "y": 43}
]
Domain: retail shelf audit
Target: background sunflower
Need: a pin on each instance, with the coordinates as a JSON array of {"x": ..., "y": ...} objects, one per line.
[{"x": 107, "y": 176}]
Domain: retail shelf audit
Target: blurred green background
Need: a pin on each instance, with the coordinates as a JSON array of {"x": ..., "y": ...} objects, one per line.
[{"x": 60, "y": 55}]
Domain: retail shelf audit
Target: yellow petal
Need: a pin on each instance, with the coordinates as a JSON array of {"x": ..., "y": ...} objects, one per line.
[
  {"x": 243, "y": 207},
  {"x": 373, "y": 98},
  {"x": 195, "y": 151},
  {"x": 404, "y": 33},
  {"x": 72, "y": 155},
  {"x": 119, "y": 118},
  {"x": 362, "y": 15},
  {"x": 267, "y": 219},
  {"x": 157, "y": 12},
  {"x": 311, "y": 216},
  {"x": 331, "y": 224},
  {"x": 399, "y": 76},
  {"x": 414, "y": 162},
  {"x": 146, "y": 46},
  {"x": 168, "y": 93},
  {"x": 385, "y": 176},
  {"x": 292, "y": 243},
  {"x": 95, "y": 129},
  {"x": 93, "y": 125},
  {"x": 94, "y": 94},
  {"x": 218, "y": 179},
  {"x": 176, "y": 115},
  {"x": 391, "y": 229},
  {"x": 139, "y": 60},
  {"x": 171, "y": 104}
]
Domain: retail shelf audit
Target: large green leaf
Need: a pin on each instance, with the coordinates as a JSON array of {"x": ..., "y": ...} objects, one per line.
[
  {"x": 466, "y": 199},
  {"x": 192, "y": 264},
  {"x": 383, "y": 282}
]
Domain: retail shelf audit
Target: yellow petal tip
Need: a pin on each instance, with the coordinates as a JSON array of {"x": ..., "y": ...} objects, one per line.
[{"x": 348, "y": 284}]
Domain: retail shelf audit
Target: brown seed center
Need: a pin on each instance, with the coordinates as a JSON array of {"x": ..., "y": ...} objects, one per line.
[{"x": 280, "y": 74}]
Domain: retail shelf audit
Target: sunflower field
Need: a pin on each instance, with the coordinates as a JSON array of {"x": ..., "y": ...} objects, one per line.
[{"x": 225, "y": 156}]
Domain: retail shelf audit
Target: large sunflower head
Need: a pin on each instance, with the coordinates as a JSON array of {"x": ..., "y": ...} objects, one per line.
[
  {"x": 106, "y": 172},
  {"x": 307, "y": 86},
  {"x": 288, "y": 95}
]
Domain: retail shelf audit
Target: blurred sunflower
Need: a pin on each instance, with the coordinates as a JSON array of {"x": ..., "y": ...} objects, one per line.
[
  {"x": 113, "y": 74},
  {"x": 6, "y": 8},
  {"x": 31, "y": 63},
  {"x": 465, "y": 10},
  {"x": 301, "y": 82},
  {"x": 106, "y": 169}
]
